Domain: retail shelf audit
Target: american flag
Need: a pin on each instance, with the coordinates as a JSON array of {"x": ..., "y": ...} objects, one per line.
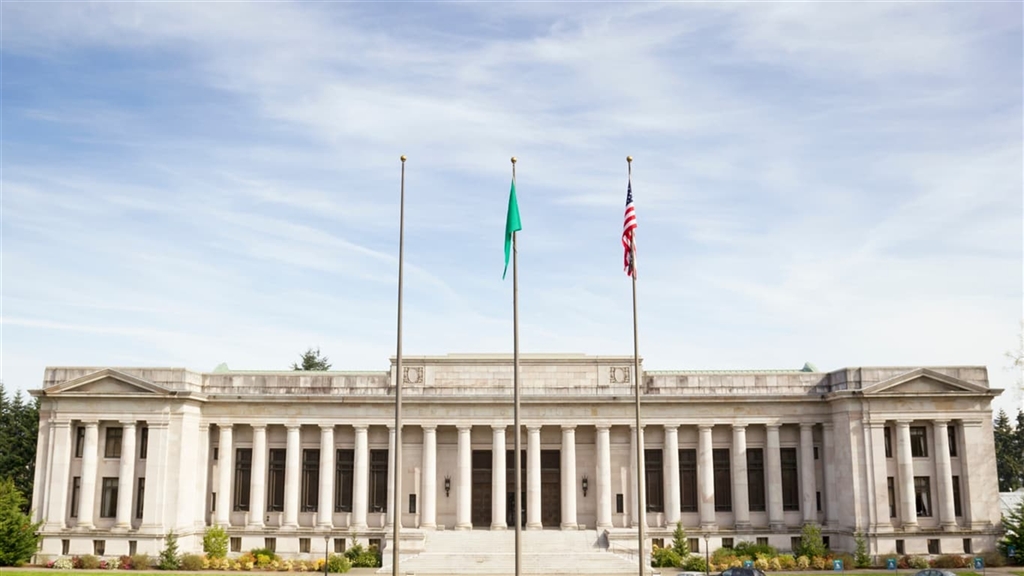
[{"x": 628, "y": 228}]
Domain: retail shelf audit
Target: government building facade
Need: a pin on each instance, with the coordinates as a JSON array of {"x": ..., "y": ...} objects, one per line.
[{"x": 300, "y": 462}]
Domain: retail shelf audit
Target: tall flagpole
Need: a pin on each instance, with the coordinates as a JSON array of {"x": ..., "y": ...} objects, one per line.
[
  {"x": 397, "y": 487},
  {"x": 640, "y": 473},
  {"x": 515, "y": 394}
]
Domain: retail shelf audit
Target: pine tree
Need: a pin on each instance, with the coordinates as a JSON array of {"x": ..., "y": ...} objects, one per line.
[
  {"x": 1013, "y": 524},
  {"x": 168, "y": 559},
  {"x": 1008, "y": 456},
  {"x": 19, "y": 428},
  {"x": 312, "y": 361},
  {"x": 679, "y": 543},
  {"x": 18, "y": 539},
  {"x": 861, "y": 559}
]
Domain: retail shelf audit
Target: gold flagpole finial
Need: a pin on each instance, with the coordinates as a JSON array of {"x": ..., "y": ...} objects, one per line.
[
  {"x": 402, "y": 158},
  {"x": 513, "y": 159},
  {"x": 629, "y": 159}
]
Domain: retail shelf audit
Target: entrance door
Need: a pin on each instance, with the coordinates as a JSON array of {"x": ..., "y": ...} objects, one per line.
[
  {"x": 550, "y": 488},
  {"x": 481, "y": 494},
  {"x": 510, "y": 488}
]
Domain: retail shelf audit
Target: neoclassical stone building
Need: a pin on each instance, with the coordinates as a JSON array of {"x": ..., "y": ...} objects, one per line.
[{"x": 285, "y": 459}]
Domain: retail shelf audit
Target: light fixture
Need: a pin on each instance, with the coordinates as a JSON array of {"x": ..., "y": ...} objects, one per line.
[
  {"x": 447, "y": 485},
  {"x": 707, "y": 554},
  {"x": 586, "y": 484},
  {"x": 327, "y": 559}
]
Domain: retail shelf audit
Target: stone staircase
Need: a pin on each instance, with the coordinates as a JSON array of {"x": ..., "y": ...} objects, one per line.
[{"x": 547, "y": 552}]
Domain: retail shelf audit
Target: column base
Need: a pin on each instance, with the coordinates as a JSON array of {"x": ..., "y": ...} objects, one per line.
[
  {"x": 569, "y": 526},
  {"x": 534, "y": 526},
  {"x": 909, "y": 527},
  {"x": 463, "y": 526},
  {"x": 604, "y": 526},
  {"x": 360, "y": 526},
  {"x": 950, "y": 527},
  {"x": 254, "y": 526},
  {"x": 428, "y": 526},
  {"x": 499, "y": 527},
  {"x": 742, "y": 526},
  {"x": 120, "y": 528},
  {"x": 777, "y": 526}
]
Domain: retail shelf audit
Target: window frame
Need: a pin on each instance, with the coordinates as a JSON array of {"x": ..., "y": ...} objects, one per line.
[
  {"x": 108, "y": 497},
  {"x": 113, "y": 441}
]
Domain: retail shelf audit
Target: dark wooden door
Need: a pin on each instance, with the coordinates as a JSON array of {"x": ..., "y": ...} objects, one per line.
[
  {"x": 481, "y": 493},
  {"x": 550, "y": 488},
  {"x": 510, "y": 488}
]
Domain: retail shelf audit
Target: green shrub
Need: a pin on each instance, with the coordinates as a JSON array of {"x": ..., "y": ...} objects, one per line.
[
  {"x": 723, "y": 556},
  {"x": 63, "y": 564},
  {"x": 215, "y": 542},
  {"x": 820, "y": 563},
  {"x": 191, "y": 562},
  {"x": 89, "y": 562},
  {"x": 752, "y": 550},
  {"x": 141, "y": 562},
  {"x": 679, "y": 542},
  {"x": 363, "y": 557},
  {"x": 811, "y": 544},
  {"x": 257, "y": 552},
  {"x": 914, "y": 562},
  {"x": 338, "y": 564},
  {"x": 803, "y": 563},
  {"x": 694, "y": 563},
  {"x": 665, "y": 558},
  {"x": 949, "y": 561},
  {"x": 168, "y": 559},
  {"x": 786, "y": 562},
  {"x": 861, "y": 558},
  {"x": 993, "y": 559}
]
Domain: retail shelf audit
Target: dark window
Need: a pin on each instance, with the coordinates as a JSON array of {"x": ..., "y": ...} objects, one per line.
[
  {"x": 654, "y": 480},
  {"x": 270, "y": 543},
  {"x": 727, "y": 542},
  {"x": 79, "y": 440},
  {"x": 755, "y": 479},
  {"x": 888, "y": 441},
  {"x": 815, "y": 452},
  {"x": 216, "y": 452},
  {"x": 76, "y": 493},
  {"x": 957, "y": 509},
  {"x": 827, "y": 542},
  {"x": 723, "y": 487},
  {"x": 133, "y": 547},
  {"x": 99, "y": 547},
  {"x": 658, "y": 542},
  {"x": 343, "y": 475},
  {"x": 923, "y": 496},
  {"x": 790, "y": 479},
  {"x": 275, "y": 481},
  {"x": 694, "y": 545},
  {"x": 112, "y": 447},
  {"x": 236, "y": 544},
  {"x": 213, "y": 502},
  {"x": 795, "y": 542},
  {"x": 968, "y": 548},
  {"x": 933, "y": 546},
  {"x": 890, "y": 483},
  {"x": 140, "y": 498},
  {"x": 243, "y": 478},
  {"x": 143, "y": 442},
  {"x": 688, "y": 480},
  {"x": 339, "y": 545},
  {"x": 375, "y": 545},
  {"x": 762, "y": 540},
  {"x": 304, "y": 545},
  {"x": 918, "y": 441},
  {"x": 310, "y": 479},
  {"x": 378, "y": 481},
  {"x": 108, "y": 501},
  {"x": 951, "y": 432},
  {"x": 412, "y": 503},
  {"x": 899, "y": 547},
  {"x": 620, "y": 504},
  {"x": 817, "y": 499},
  {"x": 65, "y": 545}
]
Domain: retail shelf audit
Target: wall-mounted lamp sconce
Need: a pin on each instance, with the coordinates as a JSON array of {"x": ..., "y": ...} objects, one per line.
[
  {"x": 586, "y": 484},
  {"x": 447, "y": 485}
]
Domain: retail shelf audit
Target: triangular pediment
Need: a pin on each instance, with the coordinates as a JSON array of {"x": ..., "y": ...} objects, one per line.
[
  {"x": 109, "y": 382},
  {"x": 923, "y": 381}
]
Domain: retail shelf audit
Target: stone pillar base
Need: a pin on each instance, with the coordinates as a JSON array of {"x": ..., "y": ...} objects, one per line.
[
  {"x": 499, "y": 527},
  {"x": 534, "y": 526},
  {"x": 570, "y": 527},
  {"x": 950, "y": 527}
]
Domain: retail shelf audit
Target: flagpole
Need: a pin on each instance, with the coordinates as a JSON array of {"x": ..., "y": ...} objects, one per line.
[
  {"x": 640, "y": 473},
  {"x": 515, "y": 394},
  {"x": 397, "y": 488}
]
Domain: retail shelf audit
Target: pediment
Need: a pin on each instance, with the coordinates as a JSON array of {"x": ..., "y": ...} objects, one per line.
[
  {"x": 108, "y": 382},
  {"x": 923, "y": 381}
]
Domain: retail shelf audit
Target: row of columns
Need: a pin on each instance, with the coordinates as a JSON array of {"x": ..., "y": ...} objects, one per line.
[{"x": 943, "y": 475}]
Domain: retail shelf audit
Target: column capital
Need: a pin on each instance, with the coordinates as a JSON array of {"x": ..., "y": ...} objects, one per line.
[
  {"x": 464, "y": 427},
  {"x": 223, "y": 425},
  {"x": 874, "y": 424},
  {"x": 703, "y": 427},
  {"x": 940, "y": 423},
  {"x": 325, "y": 428},
  {"x": 429, "y": 427},
  {"x": 259, "y": 426},
  {"x": 739, "y": 426},
  {"x": 633, "y": 427},
  {"x": 672, "y": 430},
  {"x": 498, "y": 427},
  {"x": 361, "y": 427},
  {"x": 773, "y": 426},
  {"x": 903, "y": 423},
  {"x": 533, "y": 428},
  {"x": 806, "y": 425},
  {"x": 603, "y": 426},
  {"x": 826, "y": 426},
  {"x": 568, "y": 427},
  {"x": 127, "y": 423},
  {"x": 61, "y": 423},
  {"x": 291, "y": 427},
  {"x": 91, "y": 423}
]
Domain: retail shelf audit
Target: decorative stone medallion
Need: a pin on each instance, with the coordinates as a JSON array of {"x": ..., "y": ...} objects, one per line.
[
  {"x": 413, "y": 375},
  {"x": 619, "y": 375}
]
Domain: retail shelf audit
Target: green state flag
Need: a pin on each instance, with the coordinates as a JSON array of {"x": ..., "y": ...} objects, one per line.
[{"x": 512, "y": 224}]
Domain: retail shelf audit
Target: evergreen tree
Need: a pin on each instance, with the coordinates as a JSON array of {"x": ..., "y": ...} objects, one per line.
[
  {"x": 1009, "y": 457},
  {"x": 1013, "y": 524},
  {"x": 18, "y": 539},
  {"x": 679, "y": 542},
  {"x": 19, "y": 428},
  {"x": 168, "y": 559},
  {"x": 312, "y": 361},
  {"x": 861, "y": 558}
]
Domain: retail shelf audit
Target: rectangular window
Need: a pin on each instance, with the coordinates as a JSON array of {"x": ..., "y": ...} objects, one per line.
[
  {"x": 76, "y": 494},
  {"x": 620, "y": 504},
  {"x": 112, "y": 446},
  {"x": 688, "y": 480},
  {"x": 968, "y": 548},
  {"x": 216, "y": 452},
  {"x": 375, "y": 545},
  {"x": 951, "y": 431},
  {"x": 658, "y": 542},
  {"x": 133, "y": 547},
  {"x": 827, "y": 542},
  {"x": 918, "y": 441},
  {"x": 654, "y": 480},
  {"x": 888, "y": 441},
  {"x": 108, "y": 501},
  {"x": 236, "y": 544},
  {"x": 762, "y": 541},
  {"x": 723, "y": 480},
  {"x": 275, "y": 480},
  {"x": 923, "y": 496},
  {"x": 795, "y": 542},
  {"x": 99, "y": 547},
  {"x": 343, "y": 475},
  {"x": 817, "y": 499},
  {"x": 790, "y": 479},
  {"x": 755, "y": 479},
  {"x": 65, "y": 546},
  {"x": 270, "y": 543},
  {"x": 900, "y": 549},
  {"x": 304, "y": 545},
  {"x": 890, "y": 483},
  {"x": 79, "y": 440},
  {"x": 213, "y": 502},
  {"x": 412, "y": 503},
  {"x": 933, "y": 546},
  {"x": 339, "y": 545},
  {"x": 140, "y": 498},
  {"x": 957, "y": 510},
  {"x": 815, "y": 452},
  {"x": 243, "y": 478},
  {"x": 727, "y": 542},
  {"x": 310, "y": 479},
  {"x": 143, "y": 442},
  {"x": 378, "y": 481},
  {"x": 694, "y": 545}
]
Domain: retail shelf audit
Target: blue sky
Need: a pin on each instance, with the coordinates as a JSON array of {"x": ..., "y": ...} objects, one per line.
[{"x": 187, "y": 184}]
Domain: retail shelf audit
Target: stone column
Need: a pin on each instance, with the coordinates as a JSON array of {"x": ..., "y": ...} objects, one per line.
[
  {"x": 202, "y": 475},
  {"x": 807, "y": 481},
  {"x": 740, "y": 495},
  {"x": 225, "y": 452},
  {"x": 569, "y": 478},
  {"x": 773, "y": 461},
  {"x": 533, "y": 477},
  {"x": 292, "y": 468},
  {"x": 905, "y": 466},
  {"x": 828, "y": 447},
  {"x": 604, "y": 477},
  {"x": 87, "y": 498},
  {"x": 389, "y": 514},
  {"x": 126, "y": 477},
  {"x": 636, "y": 483},
  {"x": 156, "y": 478},
  {"x": 60, "y": 466},
  {"x": 876, "y": 490},
  {"x": 706, "y": 478},
  {"x": 325, "y": 506},
  {"x": 428, "y": 508},
  {"x": 258, "y": 480},
  {"x": 360, "y": 477},
  {"x": 944, "y": 476},
  {"x": 464, "y": 481},
  {"x": 672, "y": 504},
  {"x": 498, "y": 478},
  {"x": 980, "y": 494},
  {"x": 44, "y": 438}
]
